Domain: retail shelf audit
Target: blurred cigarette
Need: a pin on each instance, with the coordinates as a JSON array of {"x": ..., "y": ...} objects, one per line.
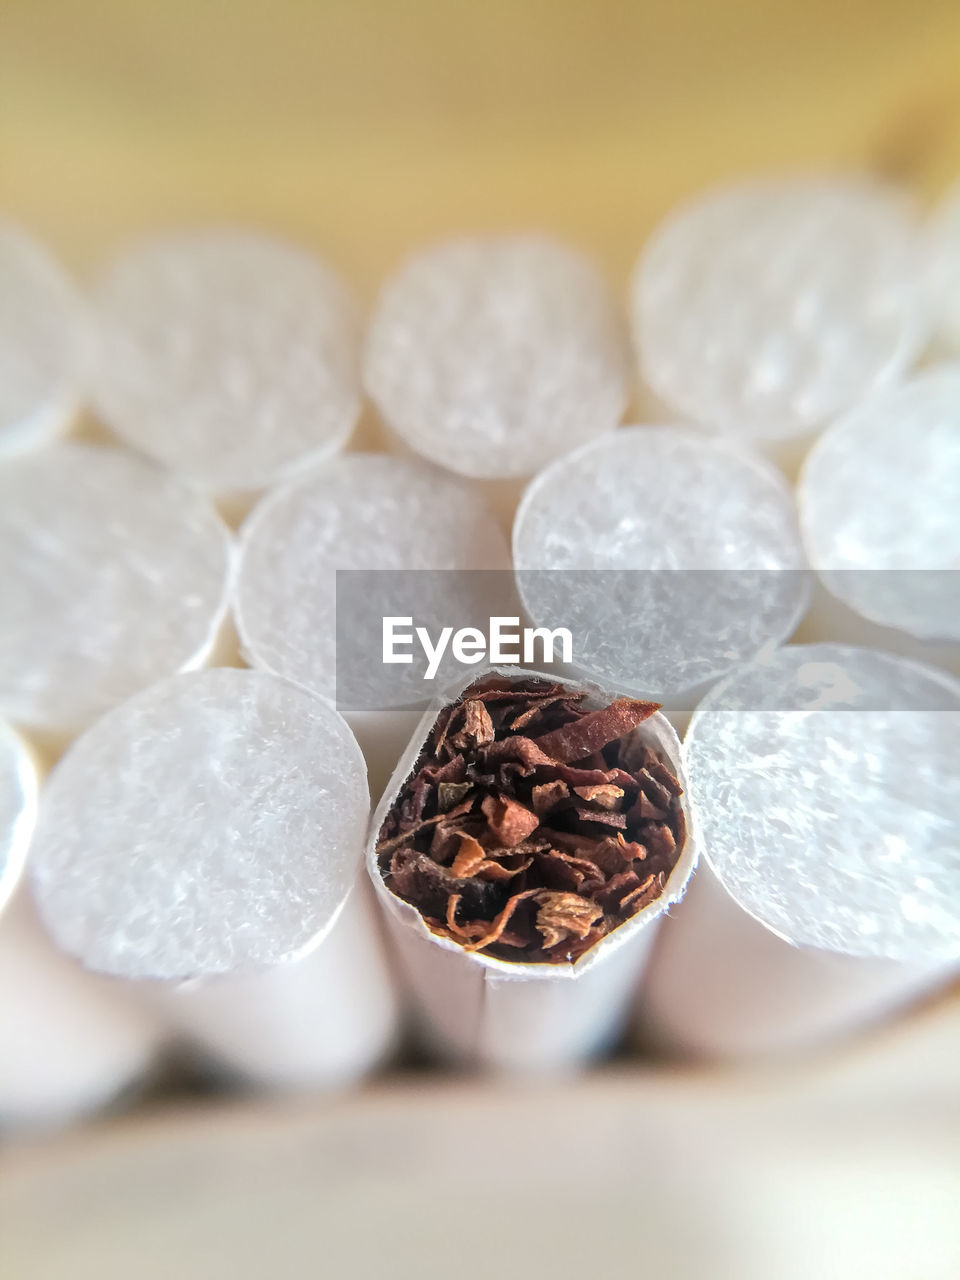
[
  {"x": 825, "y": 785},
  {"x": 764, "y": 308},
  {"x": 212, "y": 828},
  {"x": 670, "y": 555},
  {"x": 68, "y": 1045},
  {"x": 530, "y": 837},
  {"x": 114, "y": 576},
  {"x": 71, "y": 1043},
  {"x": 229, "y": 357},
  {"x": 492, "y": 355},
  {"x": 44, "y": 344},
  {"x": 878, "y": 496},
  {"x": 386, "y": 515}
]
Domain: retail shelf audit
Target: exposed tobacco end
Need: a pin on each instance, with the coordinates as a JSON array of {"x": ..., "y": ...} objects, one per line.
[{"x": 531, "y": 827}]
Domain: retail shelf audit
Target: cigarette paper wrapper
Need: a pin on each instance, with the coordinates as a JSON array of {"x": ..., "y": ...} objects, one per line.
[
  {"x": 70, "y": 1042},
  {"x": 319, "y": 1022},
  {"x": 525, "y": 1018},
  {"x": 720, "y": 984}
]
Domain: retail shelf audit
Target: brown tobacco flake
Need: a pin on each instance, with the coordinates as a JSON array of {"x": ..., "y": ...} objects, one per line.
[
  {"x": 472, "y": 860},
  {"x": 533, "y": 848},
  {"x": 565, "y": 915},
  {"x": 509, "y": 821},
  {"x": 605, "y": 795},
  {"x": 595, "y": 729}
]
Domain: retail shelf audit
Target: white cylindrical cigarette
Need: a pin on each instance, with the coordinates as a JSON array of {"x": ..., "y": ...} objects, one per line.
[
  {"x": 763, "y": 309},
  {"x": 228, "y": 356},
  {"x": 212, "y": 827},
  {"x": 417, "y": 530},
  {"x": 114, "y": 575},
  {"x": 575, "y": 908},
  {"x": 668, "y": 554},
  {"x": 879, "y": 498},
  {"x": 71, "y": 1043},
  {"x": 44, "y": 344},
  {"x": 67, "y": 1045},
  {"x": 491, "y": 356},
  {"x": 824, "y": 781}
]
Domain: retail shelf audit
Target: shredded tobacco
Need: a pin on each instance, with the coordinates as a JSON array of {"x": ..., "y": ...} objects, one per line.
[{"x": 531, "y": 827}]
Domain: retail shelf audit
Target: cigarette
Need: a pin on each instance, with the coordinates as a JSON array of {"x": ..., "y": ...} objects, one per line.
[
  {"x": 763, "y": 309},
  {"x": 73, "y": 1043},
  {"x": 878, "y": 499},
  {"x": 211, "y": 828},
  {"x": 824, "y": 781},
  {"x": 115, "y": 575},
  {"x": 531, "y": 836},
  {"x": 44, "y": 344},
  {"x": 491, "y": 355},
  {"x": 943, "y": 271},
  {"x": 69, "y": 1047},
  {"x": 670, "y": 556},
  {"x": 229, "y": 357},
  {"x": 385, "y": 515}
]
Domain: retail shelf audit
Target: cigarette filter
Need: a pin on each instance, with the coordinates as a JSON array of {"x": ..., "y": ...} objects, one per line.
[
  {"x": 698, "y": 550},
  {"x": 825, "y": 784},
  {"x": 765, "y": 308},
  {"x": 44, "y": 344},
  {"x": 212, "y": 828},
  {"x": 490, "y": 356},
  {"x": 363, "y": 512},
  {"x": 532, "y": 834},
  {"x": 229, "y": 357},
  {"x": 879, "y": 495},
  {"x": 114, "y": 575}
]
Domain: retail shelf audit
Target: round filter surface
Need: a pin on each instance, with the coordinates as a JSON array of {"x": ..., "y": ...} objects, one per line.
[
  {"x": 492, "y": 356},
  {"x": 212, "y": 824},
  {"x": 671, "y": 555},
  {"x": 416, "y": 533},
  {"x": 114, "y": 575},
  {"x": 880, "y": 506},
  {"x": 825, "y": 783},
  {"x": 227, "y": 356},
  {"x": 763, "y": 309}
]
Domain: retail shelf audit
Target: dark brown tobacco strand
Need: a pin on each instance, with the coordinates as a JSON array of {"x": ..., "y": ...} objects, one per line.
[{"x": 531, "y": 827}]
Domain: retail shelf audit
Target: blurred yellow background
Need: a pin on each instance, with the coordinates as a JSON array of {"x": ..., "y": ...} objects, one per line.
[{"x": 362, "y": 128}]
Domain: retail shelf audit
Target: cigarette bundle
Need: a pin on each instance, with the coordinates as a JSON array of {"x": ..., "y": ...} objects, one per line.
[
  {"x": 825, "y": 784},
  {"x": 228, "y": 356},
  {"x": 212, "y": 828},
  {"x": 529, "y": 838},
  {"x": 670, "y": 556},
  {"x": 491, "y": 355},
  {"x": 879, "y": 495},
  {"x": 114, "y": 575},
  {"x": 765, "y": 308},
  {"x": 44, "y": 344}
]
